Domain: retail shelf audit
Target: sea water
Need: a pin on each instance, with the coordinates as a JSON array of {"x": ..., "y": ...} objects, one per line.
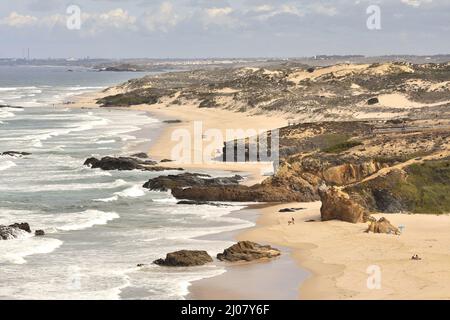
[{"x": 99, "y": 224}]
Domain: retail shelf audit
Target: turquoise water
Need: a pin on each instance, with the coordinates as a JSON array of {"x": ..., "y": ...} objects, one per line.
[{"x": 99, "y": 224}]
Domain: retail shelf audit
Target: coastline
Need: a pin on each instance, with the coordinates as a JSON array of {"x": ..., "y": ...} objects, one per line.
[{"x": 336, "y": 254}]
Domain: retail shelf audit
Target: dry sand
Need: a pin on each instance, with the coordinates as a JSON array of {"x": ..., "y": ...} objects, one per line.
[
  {"x": 338, "y": 255},
  {"x": 217, "y": 119}
]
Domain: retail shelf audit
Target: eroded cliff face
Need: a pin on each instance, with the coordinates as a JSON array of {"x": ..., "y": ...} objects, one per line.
[
  {"x": 304, "y": 176},
  {"x": 337, "y": 205},
  {"x": 421, "y": 187}
]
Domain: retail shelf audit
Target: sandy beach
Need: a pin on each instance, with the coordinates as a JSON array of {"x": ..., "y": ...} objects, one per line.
[{"x": 337, "y": 256}]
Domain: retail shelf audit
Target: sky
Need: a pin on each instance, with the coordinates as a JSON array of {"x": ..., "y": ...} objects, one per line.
[{"x": 221, "y": 28}]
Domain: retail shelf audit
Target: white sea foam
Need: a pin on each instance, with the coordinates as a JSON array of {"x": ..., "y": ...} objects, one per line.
[
  {"x": 110, "y": 199},
  {"x": 14, "y": 251},
  {"x": 4, "y": 113},
  {"x": 135, "y": 191},
  {"x": 5, "y": 165},
  {"x": 132, "y": 192},
  {"x": 61, "y": 187},
  {"x": 86, "y": 219}
]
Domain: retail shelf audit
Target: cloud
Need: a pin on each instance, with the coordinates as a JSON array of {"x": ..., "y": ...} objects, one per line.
[
  {"x": 323, "y": 9},
  {"x": 218, "y": 12},
  {"x": 92, "y": 23},
  {"x": 17, "y": 20},
  {"x": 220, "y": 16},
  {"x": 416, "y": 3},
  {"x": 163, "y": 19}
]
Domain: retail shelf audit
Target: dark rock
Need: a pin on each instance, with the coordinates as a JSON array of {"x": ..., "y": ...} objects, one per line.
[
  {"x": 311, "y": 69},
  {"x": 164, "y": 183},
  {"x": 372, "y": 101},
  {"x": 140, "y": 265},
  {"x": 172, "y": 121},
  {"x": 39, "y": 233},
  {"x": 9, "y": 107},
  {"x": 185, "y": 258},
  {"x": 166, "y": 160},
  {"x": 193, "y": 202},
  {"x": 15, "y": 153},
  {"x": 124, "y": 163},
  {"x": 247, "y": 251},
  {"x": 287, "y": 210},
  {"x": 22, "y": 226},
  {"x": 239, "y": 193},
  {"x": 382, "y": 226},
  {"x": 140, "y": 155},
  {"x": 13, "y": 231}
]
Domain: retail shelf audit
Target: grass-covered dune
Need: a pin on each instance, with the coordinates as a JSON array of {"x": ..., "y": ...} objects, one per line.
[{"x": 420, "y": 188}]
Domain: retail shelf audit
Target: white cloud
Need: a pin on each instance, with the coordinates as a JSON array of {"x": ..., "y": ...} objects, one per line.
[
  {"x": 162, "y": 19},
  {"x": 263, "y": 8},
  {"x": 218, "y": 12},
  {"x": 416, "y": 3},
  {"x": 17, "y": 20},
  {"x": 223, "y": 17},
  {"x": 324, "y": 10}
]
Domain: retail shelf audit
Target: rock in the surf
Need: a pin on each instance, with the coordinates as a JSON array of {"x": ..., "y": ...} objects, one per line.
[
  {"x": 140, "y": 155},
  {"x": 15, "y": 153},
  {"x": 164, "y": 183},
  {"x": 247, "y": 251},
  {"x": 185, "y": 258},
  {"x": 124, "y": 164},
  {"x": 14, "y": 231}
]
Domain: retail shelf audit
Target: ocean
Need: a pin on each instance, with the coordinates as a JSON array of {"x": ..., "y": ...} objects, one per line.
[{"x": 99, "y": 225}]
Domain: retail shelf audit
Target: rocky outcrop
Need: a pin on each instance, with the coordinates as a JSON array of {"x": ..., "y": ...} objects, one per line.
[
  {"x": 39, "y": 233},
  {"x": 164, "y": 183},
  {"x": 247, "y": 251},
  {"x": 372, "y": 101},
  {"x": 125, "y": 163},
  {"x": 22, "y": 226},
  {"x": 140, "y": 155},
  {"x": 337, "y": 205},
  {"x": 185, "y": 258},
  {"x": 15, "y": 153},
  {"x": 284, "y": 210},
  {"x": 383, "y": 226},
  {"x": 240, "y": 193},
  {"x": 14, "y": 231},
  {"x": 349, "y": 173}
]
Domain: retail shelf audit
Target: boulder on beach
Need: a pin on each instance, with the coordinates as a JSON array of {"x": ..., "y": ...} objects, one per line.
[
  {"x": 382, "y": 226},
  {"x": 372, "y": 101},
  {"x": 247, "y": 251},
  {"x": 14, "y": 230},
  {"x": 337, "y": 205},
  {"x": 290, "y": 210},
  {"x": 286, "y": 210},
  {"x": 185, "y": 258}
]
